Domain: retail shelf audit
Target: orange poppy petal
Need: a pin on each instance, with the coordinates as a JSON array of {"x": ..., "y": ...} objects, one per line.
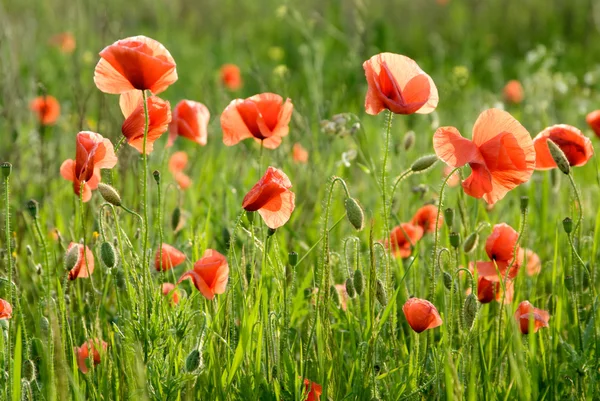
[
  {"x": 109, "y": 80},
  {"x": 493, "y": 122},
  {"x": 199, "y": 283},
  {"x": 453, "y": 149},
  {"x": 129, "y": 101},
  {"x": 577, "y": 147},
  {"x": 233, "y": 126},
  {"x": 67, "y": 169},
  {"x": 479, "y": 182},
  {"x": 278, "y": 211}
]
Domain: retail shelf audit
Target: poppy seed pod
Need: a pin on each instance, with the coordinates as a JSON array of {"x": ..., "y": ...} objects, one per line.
[
  {"x": 292, "y": 258},
  {"x": 524, "y": 203},
  {"x": 108, "y": 254},
  {"x": 350, "y": 287},
  {"x": 6, "y": 169},
  {"x": 568, "y": 225},
  {"x": 175, "y": 218},
  {"x": 380, "y": 293},
  {"x": 454, "y": 239},
  {"x": 449, "y": 216},
  {"x": 355, "y": 214},
  {"x": 72, "y": 258},
  {"x": 109, "y": 194},
  {"x": 32, "y": 207},
  {"x": 359, "y": 282},
  {"x": 423, "y": 163},
  {"x": 193, "y": 361},
  {"x": 409, "y": 140},
  {"x": 470, "y": 310},
  {"x": 156, "y": 175},
  {"x": 471, "y": 242},
  {"x": 559, "y": 157}
]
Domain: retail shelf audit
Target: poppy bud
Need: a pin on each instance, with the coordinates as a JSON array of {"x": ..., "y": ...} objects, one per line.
[
  {"x": 175, "y": 217},
  {"x": 559, "y": 157},
  {"x": 292, "y": 258},
  {"x": 359, "y": 282},
  {"x": 72, "y": 258},
  {"x": 447, "y": 280},
  {"x": 156, "y": 175},
  {"x": 108, "y": 255},
  {"x": 32, "y": 207},
  {"x": 524, "y": 203},
  {"x": 449, "y": 216},
  {"x": 380, "y": 293},
  {"x": 470, "y": 310},
  {"x": 471, "y": 242},
  {"x": 423, "y": 163},
  {"x": 455, "y": 239},
  {"x": 193, "y": 361},
  {"x": 568, "y": 225},
  {"x": 569, "y": 283},
  {"x": 6, "y": 169},
  {"x": 355, "y": 213},
  {"x": 109, "y": 194},
  {"x": 44, "y": 325},
  {"x": 335, "y": 296},
  {"x": 350, "y": 287},
  {"x": 29, "y": 372},
  {"x": 409, "y": 140}
]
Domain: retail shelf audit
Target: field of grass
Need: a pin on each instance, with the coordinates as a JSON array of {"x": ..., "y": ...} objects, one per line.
[{"x": 280, "y": 329}]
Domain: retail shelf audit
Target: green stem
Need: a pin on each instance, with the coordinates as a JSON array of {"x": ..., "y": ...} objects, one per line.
[
  {"x": 10, "y": 272},
  {"x": 578, "y": 198},
  {"x": 386, "y": 225},
  {"x": 145, "y": 226}
]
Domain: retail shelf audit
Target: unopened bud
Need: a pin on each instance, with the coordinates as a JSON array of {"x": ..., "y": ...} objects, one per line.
[
  {"x": 559, "y": 157},
  {"x": 447, "y": 280},
  {"x": 471, "y": 242},
  {"x": 380, "y": 293},
  {"x": 72, "y": 257},
  {"x": 32, "y": 208},
  {"x": 568, "y": 225},
  {"x": 6, "y": 169},
  {"x": 359, "y": 282},
  {"x": 156, "y": 175},
  {"x": 470, "y": 311},
  {"x": 175, "y": 217},
  {"x": 355, "y": 214},
  {"x": 192, "y": 362},
  {"x": 293, "y": 258},
  {"x": 449, "y": 216},
  {"x": 524, "y": 203},
  {"x": 109, "y": 194},
  {"x": 350, "y": 287},
  {"x": 423, "y": 163},
  {"x": 108, "y": 254},
  {"x": 454, "y": 239},
  {"x": 29, "y": 372},
  {"x": 409, "y": 140}
]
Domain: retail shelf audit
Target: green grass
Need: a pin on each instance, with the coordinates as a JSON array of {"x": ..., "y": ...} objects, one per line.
[{"x": 265, "y": 334}]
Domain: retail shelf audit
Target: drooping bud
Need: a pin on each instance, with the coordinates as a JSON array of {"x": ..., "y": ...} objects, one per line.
[
  {"x": 156, "y": 175},
  {"x": 380, "y": 293},
  {"x": 350, "y": 287},
  {"x": 32, "y": 208},
  {"x": 6, "y": 169},
  {"x": 292, "y": 258},
  {"x": 109, "y": 194},
  {"x": 335, "y": 296},
  {"x": 355, "y": 214},
  {"x": 44, "y": 325},
  {"x": 470, "y": 310},
  {"x": 559, "y": 157},
  {"x": 454, "y": 239},
  {"x": 193, "y": 360},
  {"x": 423, "y": 163},
  {"x": 568, "y": 225},
  {"x": 29, "y": 371},
  {"x": 471, "y": 242},
  {"x": 409, "y": 140},
  {"x": 72, "y": 257},
  {"x": 447, "y": 280},
  {"x": 175, "y": 218},
  {"x": 108, "y": 254},
  {"x": 449, "y": 216},
  {"x": 524, "y": 203},
  {"x": 359, "y": 282}
]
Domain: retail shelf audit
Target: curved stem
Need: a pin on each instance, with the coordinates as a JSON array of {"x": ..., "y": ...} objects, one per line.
[{"x": 399, "y": 179}]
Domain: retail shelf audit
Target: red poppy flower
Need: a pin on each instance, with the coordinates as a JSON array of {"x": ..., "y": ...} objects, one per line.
[
  {"x": 65, "y": 42},
  {"x": 513, "y": 92},
  {"x": 425, "y": 218},
  {"x": 401, "y": 245},
  {"x": 299, "y": 154},
  {"x": 264, "y": 117},
  {"x": 272, "y": 198},
  {"x": 231, "y": 76},
  {"x": 135, "y": 63},
  {"x": 190, "y": 120},
  {"x": 489, "y": 290},
  {"x": 398, "y": 84},
  {"x": 177, "y": 164},
  {"x": 171, "y": 257},
  {"x": 170, "y": 291},
  {"x": 312, "y": 390},
  {"x": 421, "y": 315},
  {"x": 93, "y": 153},
  {"x": 210, "y": 274},
  {"x": 47, "y": 109},
  {"x": 577, "y": 147},
  {"x": 501, "y": 154},
  {"x": 593, "y": 120},
  {"x": 83, "y": 353},
  {"x": 500, "y": 248},
  {"x": 159, "y": 117},
  {"x": 84, "y": 266},
  {"x": 525, "y": 312},
  {"x": 5, "y": 309}
]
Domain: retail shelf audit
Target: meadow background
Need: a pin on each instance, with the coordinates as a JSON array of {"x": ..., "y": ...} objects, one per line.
[{"x": 253, "y": 342}]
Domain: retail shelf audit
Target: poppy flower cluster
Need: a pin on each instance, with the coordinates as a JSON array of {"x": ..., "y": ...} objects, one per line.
[{"x": 404, "y": 236}]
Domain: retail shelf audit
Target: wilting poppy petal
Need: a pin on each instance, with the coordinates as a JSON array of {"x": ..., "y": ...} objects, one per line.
[
  {"x": 47, "y": 109},
  {"x": 190, "y": 120},
  {"x": 577, "y": 147},
  {"x": 5, "y": 309},
  {"x": 83, "y": 353},
  {"x": 513, "y": 92},
  {"x": 159, "y": 117},
  {"x": 85, "y": 264},
  {"x": 525, "y": 312},
  {"x": 231, "y": 77},
  {"x": 425, "y": 218},
  {"x": 421, "y": 315},
  {"x": 171, "y": 257},
  {"x": 135, "y": 63},
  {"x": 272, "y": 198},
  {"x": 210, "y": 274}
]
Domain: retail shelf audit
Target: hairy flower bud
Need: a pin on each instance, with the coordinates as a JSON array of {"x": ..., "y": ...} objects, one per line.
[
  {"x": 108, "y": 254},
  {"x": 471, "y": 242},
  {"x": 559, "y": 157},
  {"x": 359, "y": 282},
  {"x": 423, "y": 163},
  {"x": 355, "y": 213},
  {"x": 109, "y": 194},
  {"x": 380, "y": 293}
]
